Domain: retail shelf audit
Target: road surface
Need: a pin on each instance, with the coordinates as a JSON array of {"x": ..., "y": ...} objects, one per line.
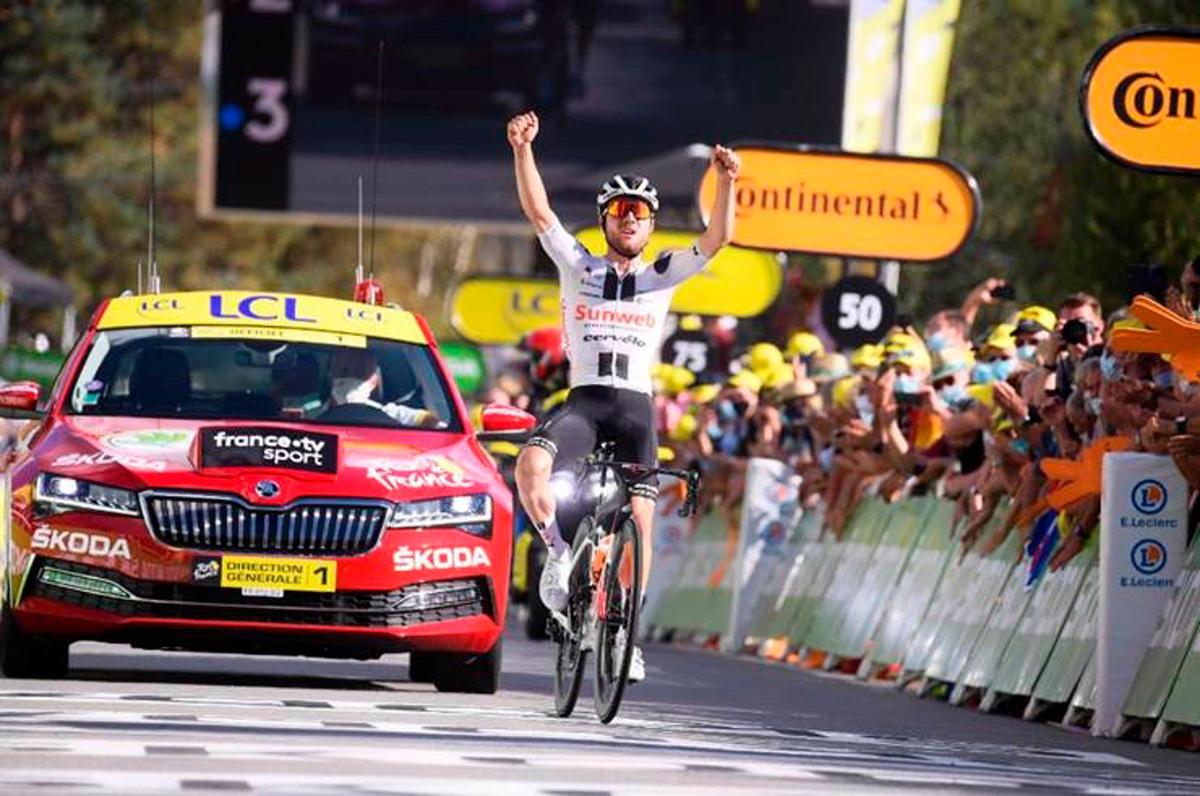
[{"x": 133, "y": 721}]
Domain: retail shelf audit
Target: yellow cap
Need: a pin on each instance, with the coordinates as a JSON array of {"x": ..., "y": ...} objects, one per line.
[
  {"x": 691, "y": 323},
  {"x": 705, "y": 393},
  {"x": 678, "y": 380},
  {"x": 984, "y": 393},
  {"x": 804, "y": 344},
  {"x": 503, "y": 449},
  {"x": 1001, "y": 338},
  {"x": 867, "y": 356},
  {"x": 684, "y": 429},
  {"x": 827, "y": 367},
  {"x": 477, "y": 417},
  {"x": 843, "y": 391},
  {"x": 555, "y": 398},
  {"x": 762, "y": 357},
  {"x": 746, "y": 378},
  {"x": 1035, "y": 318},
  {"x": 778, "y": 376}
]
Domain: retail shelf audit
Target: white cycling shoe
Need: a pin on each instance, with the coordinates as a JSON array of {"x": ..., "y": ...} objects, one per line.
[
  {"x": 555, "y": 586},
  {"x": 637, "y": 666}
]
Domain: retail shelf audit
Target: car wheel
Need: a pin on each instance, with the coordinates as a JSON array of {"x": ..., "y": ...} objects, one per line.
[
  {"x": 536, "y": 614},
  {"x": 23, "y": 656},
  {"x": 471, "y": 674},
  {"x": 421, "y": 666}
]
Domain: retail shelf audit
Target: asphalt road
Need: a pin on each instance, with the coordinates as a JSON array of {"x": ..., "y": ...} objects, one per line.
[
  {"x": 129, "y": 721},
  {"x": 645, "y": 94}
]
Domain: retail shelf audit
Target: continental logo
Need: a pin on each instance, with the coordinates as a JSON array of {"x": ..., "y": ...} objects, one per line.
[
  {"x": 1143, "y": 100},
  {"x": 849, "y": 205},
  {"x": 1140, "y": 102}
]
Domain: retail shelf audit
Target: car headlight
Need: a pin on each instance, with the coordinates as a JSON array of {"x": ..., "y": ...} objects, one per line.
[
  {"x": 60, "y": 492},
  {"x": 472, "y": 513}
]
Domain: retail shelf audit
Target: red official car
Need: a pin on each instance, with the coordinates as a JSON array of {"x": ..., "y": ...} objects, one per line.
[{"x": 258, "y": 473}]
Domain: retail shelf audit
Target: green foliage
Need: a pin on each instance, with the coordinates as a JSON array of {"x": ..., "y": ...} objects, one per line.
[
  {"x": 75, "y": 98},
  {"x": 1057, "y": 217}
]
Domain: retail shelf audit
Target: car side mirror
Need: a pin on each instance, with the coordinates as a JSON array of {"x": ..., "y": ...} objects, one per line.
[
  {"x": 505, "y": 424},
  {"x": 19, "y": 399}
]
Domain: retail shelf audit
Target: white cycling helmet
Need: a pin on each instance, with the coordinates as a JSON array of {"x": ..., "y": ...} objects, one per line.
[{"x": 632, "y": 185}]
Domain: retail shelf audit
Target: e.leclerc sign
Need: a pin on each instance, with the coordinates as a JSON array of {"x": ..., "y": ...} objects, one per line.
[
  {"x": 1139, "y": 99},
  {"x": 851, "y": 205}
]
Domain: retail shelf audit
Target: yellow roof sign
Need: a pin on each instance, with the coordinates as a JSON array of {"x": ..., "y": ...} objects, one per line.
[
  {"x": 1139, "y": 99},
  {"x": 241, "y": 309},
  {"x": 879, "y": 207}
]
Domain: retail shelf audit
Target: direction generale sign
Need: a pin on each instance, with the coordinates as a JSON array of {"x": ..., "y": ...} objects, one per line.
[
  {"x": 1139, "y": 99},
  {"x": 847, "y": 204}
]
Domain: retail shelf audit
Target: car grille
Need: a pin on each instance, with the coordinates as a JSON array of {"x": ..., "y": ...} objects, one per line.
[
  {"x": 404, "y": 607},
  {"x": 306, "y": 527}
]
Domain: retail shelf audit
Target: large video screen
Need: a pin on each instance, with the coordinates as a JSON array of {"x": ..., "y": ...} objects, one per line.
[{"x": 620, "y": 85}]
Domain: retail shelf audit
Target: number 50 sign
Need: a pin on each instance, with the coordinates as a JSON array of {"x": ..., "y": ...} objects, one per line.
[{"x": 857, "y": 311}]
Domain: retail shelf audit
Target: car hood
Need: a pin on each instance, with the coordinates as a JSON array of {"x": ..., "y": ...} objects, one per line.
[{"x": 333, "y": 461}]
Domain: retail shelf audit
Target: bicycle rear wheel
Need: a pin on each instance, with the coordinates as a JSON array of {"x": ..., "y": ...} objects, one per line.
[
  {"x": 571, "y": 657},
  {"x": 618, "y": 619}
]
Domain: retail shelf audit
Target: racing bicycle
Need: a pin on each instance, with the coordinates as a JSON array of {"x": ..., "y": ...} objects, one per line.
[{"x": 601, "y": 615}]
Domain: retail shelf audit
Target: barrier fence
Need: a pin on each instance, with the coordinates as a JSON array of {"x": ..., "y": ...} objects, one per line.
[{"x": 896, "y": 597}]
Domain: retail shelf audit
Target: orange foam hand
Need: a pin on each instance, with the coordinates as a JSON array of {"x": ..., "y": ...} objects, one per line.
[
  {"x": 1080, "y": 479},
  {"x": 1168, "y": 334}
]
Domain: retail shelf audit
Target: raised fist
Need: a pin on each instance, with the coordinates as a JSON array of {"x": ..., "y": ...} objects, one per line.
[
  {"x": 522, "y": 129},
  {"x": 726, "y": 161}
]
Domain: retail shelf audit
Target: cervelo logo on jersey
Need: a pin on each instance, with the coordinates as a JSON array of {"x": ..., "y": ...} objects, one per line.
[
  {"x": 644, "y": 320},
  {"x": 408, "y": 560},
  {"x": 79, "y": 543},
  {"x": 627, "y": 339}
]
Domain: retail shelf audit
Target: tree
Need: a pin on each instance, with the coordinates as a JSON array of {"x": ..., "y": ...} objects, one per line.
[{"x": 1057, "y": 216}]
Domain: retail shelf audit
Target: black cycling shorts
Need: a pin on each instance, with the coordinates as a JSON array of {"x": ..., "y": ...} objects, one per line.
[{"x": 594, "y": 414}]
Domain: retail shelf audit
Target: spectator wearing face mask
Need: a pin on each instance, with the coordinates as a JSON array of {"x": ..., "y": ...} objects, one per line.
[
  {"x": 1033, "y": 326},
  {"x": 997, "y": 356}
]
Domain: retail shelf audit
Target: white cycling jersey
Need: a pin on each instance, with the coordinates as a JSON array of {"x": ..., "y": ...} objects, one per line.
[{"x": 614, "y": 324}]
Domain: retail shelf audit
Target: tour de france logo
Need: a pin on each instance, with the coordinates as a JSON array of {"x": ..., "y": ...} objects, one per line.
[
  {"x": 1149, "y": 496},
  {"x": 1148, "y": 556}
]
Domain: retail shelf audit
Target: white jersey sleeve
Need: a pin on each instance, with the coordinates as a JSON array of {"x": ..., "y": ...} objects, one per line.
[
  {"x": 563, "y": 248},
  {"x": 674, "y": 267}
]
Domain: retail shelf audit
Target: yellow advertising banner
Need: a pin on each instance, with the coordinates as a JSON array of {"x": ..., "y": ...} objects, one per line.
[
  {"x": 874, "y": 35},
  {"x": 739, "y": 282},
  {"x": 851, "y": 205},
  {"x": 928, "y": 46},
  {"x": 242, "y": 309},
  {"x": 499, "y": 310},
  {"x": 1139, "y": 99}
]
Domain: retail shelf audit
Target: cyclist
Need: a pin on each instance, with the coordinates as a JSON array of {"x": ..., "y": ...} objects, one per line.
[{"x": 614, "y": 308}]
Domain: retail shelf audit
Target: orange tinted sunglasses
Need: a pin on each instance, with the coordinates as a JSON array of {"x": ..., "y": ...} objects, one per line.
[{"x": 619, "y": 208}]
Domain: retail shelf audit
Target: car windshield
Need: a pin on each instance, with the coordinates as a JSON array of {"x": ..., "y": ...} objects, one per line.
[{"x": 175, "y": 373}]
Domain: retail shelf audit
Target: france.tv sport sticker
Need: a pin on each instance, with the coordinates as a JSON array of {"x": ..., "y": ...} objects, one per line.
[
  {"x": 255, "y": 446},
  {"x": 1149, "y": 556},
  {"x": 1149, "y": 496}
]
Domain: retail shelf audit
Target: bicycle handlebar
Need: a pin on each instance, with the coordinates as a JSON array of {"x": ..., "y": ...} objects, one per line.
[{"x": 690, "y": 477}]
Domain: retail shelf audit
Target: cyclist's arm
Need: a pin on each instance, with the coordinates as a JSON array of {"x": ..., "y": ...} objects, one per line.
[
  {"x": 720, "y": 219},
  {"x": 531, "y": 190}
]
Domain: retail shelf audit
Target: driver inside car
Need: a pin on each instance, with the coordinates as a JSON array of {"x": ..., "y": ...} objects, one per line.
[{"x": 355, "y": 379}]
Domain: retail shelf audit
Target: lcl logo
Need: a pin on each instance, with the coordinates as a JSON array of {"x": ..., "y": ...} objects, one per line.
[{"x": 1143, "y": 99}]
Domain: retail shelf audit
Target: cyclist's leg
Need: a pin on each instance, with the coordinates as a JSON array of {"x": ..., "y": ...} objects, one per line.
[
  {"x": 637, "y": 442},
  {"x": 567, "y": 434}
]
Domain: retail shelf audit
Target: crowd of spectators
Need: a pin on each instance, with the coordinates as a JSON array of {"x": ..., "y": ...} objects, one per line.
[{"x": 957, "y": 407}]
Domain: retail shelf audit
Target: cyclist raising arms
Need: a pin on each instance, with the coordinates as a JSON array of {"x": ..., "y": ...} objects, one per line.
[{"x": 614, "y": 308}]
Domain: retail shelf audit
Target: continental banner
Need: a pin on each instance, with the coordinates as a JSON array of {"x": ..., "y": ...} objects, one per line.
[
  {"x": 871, "y": 63},
  {"x": 820, "y": 201},
  {"x": 1139, "y": 99},
  {"x": 925, "y": 71},
  {"x": 780, "y": 598}
]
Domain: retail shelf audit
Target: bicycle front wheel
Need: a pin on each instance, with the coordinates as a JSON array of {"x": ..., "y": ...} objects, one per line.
[
  {"x": 572, "y": 654},
  {"x": 621, "y": 600}
]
